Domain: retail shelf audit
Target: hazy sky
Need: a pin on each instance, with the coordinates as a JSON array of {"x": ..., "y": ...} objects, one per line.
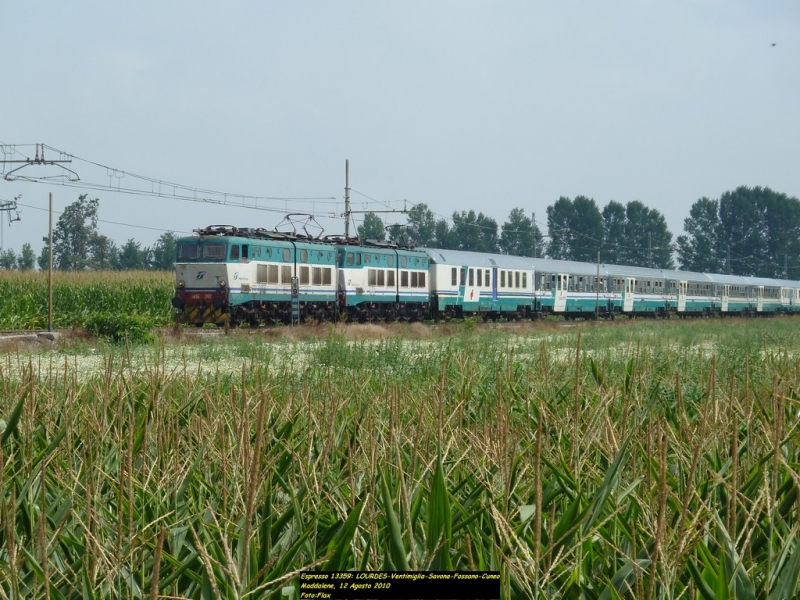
[{"x": 460, "y": 105}]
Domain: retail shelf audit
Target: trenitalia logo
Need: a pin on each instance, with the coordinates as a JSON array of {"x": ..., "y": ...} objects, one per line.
[{"x": 200, "y": 274}]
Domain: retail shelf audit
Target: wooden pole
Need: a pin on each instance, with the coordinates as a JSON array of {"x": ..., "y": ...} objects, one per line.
[{"x": 50, "y": 270}]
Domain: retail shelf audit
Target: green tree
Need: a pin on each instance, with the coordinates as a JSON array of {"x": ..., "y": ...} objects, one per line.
[
  {"x": 444, "y": 235},
  {"x": 648, "y": 241},
  {"x": 104, "y": 253},
  {"x": 73, "y": 235},
  {"x": 27, "y": 259},
  {"x": 8, "y": 259},
  {"x": 614, "y": 220},
  {"x": 699, "y": 248},
  {"x": 421, "y": 225},
  {"x": 44, "y": 258},
  {"x": 762, "y": 229},
  {"x": 575, "y": 229},
  {"x": 475, "y": 232},
  {"x": 372, "y": 228},
  {"x": 515, "y": 236},
  {"x": 559, "y": 219},
  {"x": 164, "y": 252},
  {"x": 132, "y": 256}
]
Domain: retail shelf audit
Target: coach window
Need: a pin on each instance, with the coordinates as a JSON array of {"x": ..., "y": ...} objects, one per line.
[
  {"x": 370, "y": 276},
  {"x": 453, "y": 276},
  {"x": 404, "y": 279},
  {"x": 303, "y": 255},
  {"x": 326, "y": 276},
  {"x": 234, "y": 252},
  {"x": 303, "y": 275},
  {"x": 381, "y": 277},
  {"x": 316, "y": 276},
  {"x": 502, "y": 279},
  {"x": 516, "y": 279},
  {"x": 524, "y": 280},
  {"x": 422, "y": 279},
  {"x": 349, "y": 259},
  {"x": 286, "y": 274},
  {"x": 413, "y": 279},
  {"x": 272, "y": 274},
  {"x": 463, "y": 275},
  {"x": 472, "y": 277},
  {"x": 390, "y": 278}
]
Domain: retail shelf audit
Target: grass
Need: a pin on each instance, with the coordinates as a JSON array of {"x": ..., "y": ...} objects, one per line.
[{"x": 640, "y": 460}]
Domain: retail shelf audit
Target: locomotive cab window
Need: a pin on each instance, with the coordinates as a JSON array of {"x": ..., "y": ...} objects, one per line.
[
  {"x": 245, "y": 251},
  {"x": 404, "y": 261},
  {"x": 216, "y": 251},
  {"x": 303, "y": 255},
  {"x": 234, "y": 251},
  {"x": 188, "y": 251},
  {"x": 350, "y": 259}
]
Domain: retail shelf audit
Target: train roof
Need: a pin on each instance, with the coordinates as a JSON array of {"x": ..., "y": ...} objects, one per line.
[{"x": 477, "y": 259}]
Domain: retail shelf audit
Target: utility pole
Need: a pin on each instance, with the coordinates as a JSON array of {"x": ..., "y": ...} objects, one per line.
[
  {"x": 50, "y": 270},
  {"x": 597, "y": 289},
  {"x": 533, "y": 233},
  {"x": 346, "y": 199},
  {"x": 729, "y": 259}
]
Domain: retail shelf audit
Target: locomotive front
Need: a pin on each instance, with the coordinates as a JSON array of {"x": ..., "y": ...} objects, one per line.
[{"x": 203, "y": 276}]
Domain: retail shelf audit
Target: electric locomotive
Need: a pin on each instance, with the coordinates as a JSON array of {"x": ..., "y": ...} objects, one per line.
[{"x": 229, "y": 276}]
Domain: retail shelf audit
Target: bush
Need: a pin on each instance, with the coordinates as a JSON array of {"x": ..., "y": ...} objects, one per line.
[{"x": 119, "y": 327}]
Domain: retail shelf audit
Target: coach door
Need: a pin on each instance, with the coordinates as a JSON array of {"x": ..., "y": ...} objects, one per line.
[
  {"x": 494, "y": 284},
  {"x": 759, "y": 298},
  {"x": 627, "y": 295},
  {"x": 683, "y": 289},
  {"x": 560, "y": 292},
  {"x": 726, "y": 291}
]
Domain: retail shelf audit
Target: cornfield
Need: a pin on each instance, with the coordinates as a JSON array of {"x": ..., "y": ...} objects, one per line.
[
  {"x": 78, "y": 295},
  {"x": 649, "y": 460}
]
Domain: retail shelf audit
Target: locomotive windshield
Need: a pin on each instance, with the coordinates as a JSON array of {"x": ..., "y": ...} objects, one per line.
[
  {"x": 188, "y": 251},
  {"x": 207, "y": 251},
  {"x": 215, "y": 251}
]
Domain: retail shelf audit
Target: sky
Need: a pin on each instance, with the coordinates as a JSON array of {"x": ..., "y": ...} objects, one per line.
[{"x": 456, "y": 104}]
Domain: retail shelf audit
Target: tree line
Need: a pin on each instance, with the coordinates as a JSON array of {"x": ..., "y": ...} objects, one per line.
[
  {"x": 747, "y": 231},
  {"x": 78, "y": 245}
]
